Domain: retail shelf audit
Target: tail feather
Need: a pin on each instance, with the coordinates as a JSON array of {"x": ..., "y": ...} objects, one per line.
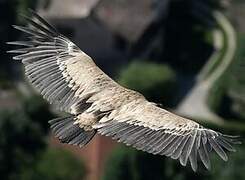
[{"x": 70, "y": 133}]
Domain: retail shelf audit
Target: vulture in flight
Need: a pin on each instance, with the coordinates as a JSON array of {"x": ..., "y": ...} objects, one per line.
[{"x": 70, "y": 80}]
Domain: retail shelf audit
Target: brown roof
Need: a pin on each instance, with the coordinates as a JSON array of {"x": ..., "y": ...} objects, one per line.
[
  {"x": 128, "y": 18},
  {"x": 67, "y": 9}
]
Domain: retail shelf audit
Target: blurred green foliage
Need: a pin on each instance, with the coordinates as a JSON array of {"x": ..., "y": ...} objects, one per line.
[
  {"x": 55, "y": 164},
  {"x": 227, "y": 97},
  {"x": 236, "y": 89},
  {"x": 128, "y": 163},
  {"x": 231, "y": 170},
  {"x": 21, "y": 140},
  {"x": 23, "y": 5},
  {"x": 157, "y": 82},
  {"x": 23, "y": 146},
  {"x": 5, "y": 84},
  {"x": 38, "y": 110}
]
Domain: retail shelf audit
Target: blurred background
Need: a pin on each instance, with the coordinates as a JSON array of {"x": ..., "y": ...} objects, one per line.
[{"x": 188, "y": 55}]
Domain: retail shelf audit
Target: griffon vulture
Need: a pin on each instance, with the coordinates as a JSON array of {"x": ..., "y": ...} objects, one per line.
[{"x": 70, "y": 80}]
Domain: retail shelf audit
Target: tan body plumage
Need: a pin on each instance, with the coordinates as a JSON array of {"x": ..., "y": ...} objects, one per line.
[{"x": 69, "y": 79}]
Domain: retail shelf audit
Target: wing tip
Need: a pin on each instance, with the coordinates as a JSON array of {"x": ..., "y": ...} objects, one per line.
[{"x": 221, "y": 144}]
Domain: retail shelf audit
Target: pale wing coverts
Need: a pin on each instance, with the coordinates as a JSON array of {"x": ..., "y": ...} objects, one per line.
[{"x": 69, "y": 79}]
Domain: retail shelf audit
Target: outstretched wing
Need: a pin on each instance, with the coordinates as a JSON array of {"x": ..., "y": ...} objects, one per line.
[
  {"x": 152, "y": 129},
  {"x": 68, "y": 78},
  {"x": 59, "y": 70}
]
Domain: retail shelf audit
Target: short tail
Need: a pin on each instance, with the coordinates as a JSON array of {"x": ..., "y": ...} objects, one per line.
[{"x": 70, "y": 133}]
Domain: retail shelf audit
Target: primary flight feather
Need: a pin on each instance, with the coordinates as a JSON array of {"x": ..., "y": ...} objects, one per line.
[{"x": 69, "y": 79}]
